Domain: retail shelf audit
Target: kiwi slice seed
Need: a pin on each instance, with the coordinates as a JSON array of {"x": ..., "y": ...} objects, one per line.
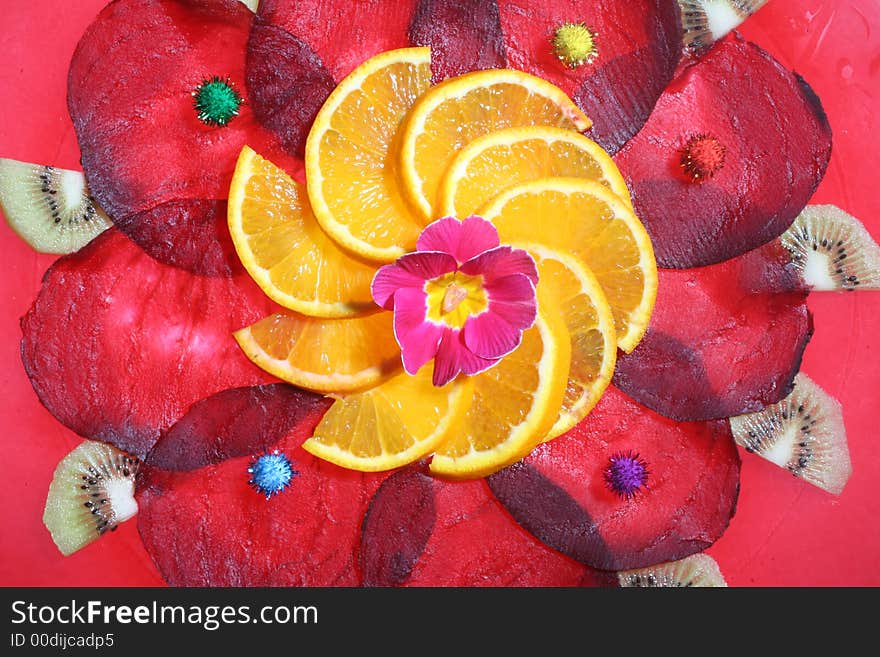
[
  {"x": 91, "y": 492},
  {"x": 833, "y": 250},
  {"x": 49, "y": 208},
  {"x": 695, "y": 570},
  {"x": 804, "y": 433}
]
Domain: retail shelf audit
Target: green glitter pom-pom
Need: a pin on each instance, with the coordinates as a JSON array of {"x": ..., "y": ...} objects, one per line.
[{"x": 216, "y": 101}]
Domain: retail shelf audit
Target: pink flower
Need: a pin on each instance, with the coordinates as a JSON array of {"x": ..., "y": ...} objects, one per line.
[{"x": 461, "y": 298}]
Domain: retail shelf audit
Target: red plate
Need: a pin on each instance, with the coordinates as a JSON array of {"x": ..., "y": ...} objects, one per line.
[{"x": 785, "y": 531}]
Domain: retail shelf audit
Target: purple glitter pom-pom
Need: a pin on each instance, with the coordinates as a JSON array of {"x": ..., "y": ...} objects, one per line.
[{"x": 626, "y": 474}]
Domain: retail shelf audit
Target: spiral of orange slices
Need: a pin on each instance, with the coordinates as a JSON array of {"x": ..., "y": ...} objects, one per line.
[{"x": 389, "y": 153}]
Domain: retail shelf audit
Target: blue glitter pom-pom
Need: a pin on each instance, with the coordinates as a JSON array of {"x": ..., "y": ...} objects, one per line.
[
  {"x": 271, "y": 473},
  {"x": 626, "y": 474}
]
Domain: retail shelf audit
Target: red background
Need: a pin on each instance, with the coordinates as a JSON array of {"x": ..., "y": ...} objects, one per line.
[{"x": 785, "y": 532}]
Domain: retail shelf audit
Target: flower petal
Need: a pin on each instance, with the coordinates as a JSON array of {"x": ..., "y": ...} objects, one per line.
[
  {"x": 418, "y": 338},
  {"x": 515, "y": 289},
  {"x": 512, "y": 309},
  {"x": 463, "y": 239},
  {"x": 514, "y": 298},
  {"x": 410, "y": 271},
  {"x": 489, "y": 336},
  {"x": 500, "y": 262},
  {"x": 453, "y": 357}
]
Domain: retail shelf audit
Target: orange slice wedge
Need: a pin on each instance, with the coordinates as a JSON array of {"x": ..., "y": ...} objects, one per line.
[
  {"x": 501, "y": 159},
  {"x": 326, "y": 355},
  {"x": 284, "y": 249},
  {"x": 458, "y": 110},
  {"x": 585, "y": 218},
  {"x": 350, "y": 160},
  {"x": 395, "y": 423},
  {"x": 514, "y": 404},
  {"x": 565, "y": 282}
]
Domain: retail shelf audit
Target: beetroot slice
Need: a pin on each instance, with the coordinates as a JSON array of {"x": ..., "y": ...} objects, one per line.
[
  {"x": 208, "y": 527},
  {"x": 118, "y": 346},
  {"x": 287, "y": 84},
  {"x": 723, "y": 340},
  {"x": 142, "y": 143},
  {"x": 559, "y": 492},
  {"x": 638, "y": 44},
  {"x": 422, "y": 531},
  {"x": 769, "y": 268},
  {"x": 397, "y": 526},
  {"x": 191, "y": 234},
  {"x": 342, "y": 33},
  {"x": 776, "y": 144},
  {"x": 475, "y": 542},
  {"x": 463, "y": 35},
  {"x": 231, "y": 423}
]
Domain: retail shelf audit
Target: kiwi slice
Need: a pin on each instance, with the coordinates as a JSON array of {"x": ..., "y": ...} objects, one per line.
[
  {"x": 804, "y": 433},
  {"x": 49, "y": 208},
  {"x": 91, "y": 492},
  {"x": 833, "y": 250},
  {"x": 695, "y": 570},
  {"x": 706, "y": 21}
]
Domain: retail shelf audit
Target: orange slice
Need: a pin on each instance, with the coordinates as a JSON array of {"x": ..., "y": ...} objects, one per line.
[
  {"x": 350, "y": 162},
  {"x": 565, "y": 282},
  {"x": 513, "y": 405},
  {"x": 327, "y": 355},
  {"x": 284, "y": 249},
  {"x": 501, "y": 159},
  {"x": 586, "y": 219},
  {"x": 457, "y": 111},
  {"x": 395, "y": 423}
]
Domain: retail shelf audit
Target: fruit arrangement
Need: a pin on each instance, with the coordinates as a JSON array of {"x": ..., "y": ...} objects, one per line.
[{"x": 486, "y": 295}]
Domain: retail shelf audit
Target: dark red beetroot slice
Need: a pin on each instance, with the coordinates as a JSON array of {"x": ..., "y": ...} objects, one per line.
[
  {"x": 421, "y": 531},
  {"x": 723, "y": 340},
  {"x": 559, "y": 492},
  {"x": 231, "y": 423},
  {"x": 142, "y": 143},
  {"x": 638, "y": 43},
  {"x": 192, "y": 235},
  {"x": 209, "y": 527},
  {"x": 396, "y": 528},
  {"x": 342, "y": 33},
  {"x": 776, "y": 144},
  {"x": 463, "y": 35},
  {"x": 769, "y": 268},
  {"x": 118, "y": 346},
  {"x": 292, "y": 43},
  {"x": 287, "y": 83}
]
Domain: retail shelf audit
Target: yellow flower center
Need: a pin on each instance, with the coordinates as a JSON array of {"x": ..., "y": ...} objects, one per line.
[{"x": 454, "y": 297}]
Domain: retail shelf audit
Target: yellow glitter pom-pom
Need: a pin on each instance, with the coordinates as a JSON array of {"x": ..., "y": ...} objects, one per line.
[{"x": 575, "y": 44}]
